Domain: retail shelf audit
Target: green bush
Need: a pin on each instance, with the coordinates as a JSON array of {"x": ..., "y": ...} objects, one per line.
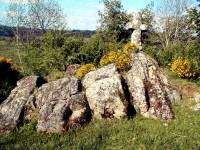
[
  {"x": 72, "y": 49},
  {"x": 44, "y": 54},
  {"x": 55, "y": 51},
  {"x": 90, "y": 51},
  {"x": 193, "y": 50},
  {"x": 165, "y": 56}
]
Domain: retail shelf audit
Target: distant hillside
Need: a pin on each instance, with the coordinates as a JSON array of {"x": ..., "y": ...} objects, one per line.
[
  {"x": 85, "y": 33},
  {"x": 6, "y": 31}
]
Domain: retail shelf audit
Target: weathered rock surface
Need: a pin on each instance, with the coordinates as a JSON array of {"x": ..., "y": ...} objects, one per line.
[
  {"x": 62, "y": 106},
  {"x": 196, "y": 98},
  {"x": 13, "y": 108},
  {"x": 104, "y": 92},
  {"x": 149, "y": 87},
  {"x": 174, "y": 96}
]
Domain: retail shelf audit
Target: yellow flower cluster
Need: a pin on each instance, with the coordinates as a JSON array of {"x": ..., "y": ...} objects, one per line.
[
  {"x": 84, "y": 69},
  {"x": 5, "y": 60},
  {"x": 120, "y": 59},
  {"x": 129, "y": 48},
  {"x": 183, "y": 67}
]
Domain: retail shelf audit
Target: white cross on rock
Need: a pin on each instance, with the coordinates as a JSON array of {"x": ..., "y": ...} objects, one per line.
[{"x": 138, "y": 27}]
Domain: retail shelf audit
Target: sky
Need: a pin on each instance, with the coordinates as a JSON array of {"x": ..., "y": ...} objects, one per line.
[{"x": 83, "y": 14}]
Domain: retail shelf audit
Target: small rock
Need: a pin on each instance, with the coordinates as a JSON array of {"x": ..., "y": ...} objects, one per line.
[
  {"x": 196, "y": 107},
  {"x": 174, "y": 96},
  {"x": 197, "y": 97}
]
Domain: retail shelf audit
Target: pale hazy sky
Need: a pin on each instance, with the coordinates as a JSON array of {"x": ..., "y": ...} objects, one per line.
[{"x": 83, "y": 14}]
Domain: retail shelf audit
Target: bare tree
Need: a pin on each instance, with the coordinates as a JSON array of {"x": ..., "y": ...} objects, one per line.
[
  {"x": 45, "y": 14},
  {"x": 16, "y": 18},
  {"x": 33, "y": 15},
  {"x": 171, "y": 20}
]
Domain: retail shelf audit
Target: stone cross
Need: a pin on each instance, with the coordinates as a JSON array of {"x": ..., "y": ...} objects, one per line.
[{"x": 138, "y": 27}]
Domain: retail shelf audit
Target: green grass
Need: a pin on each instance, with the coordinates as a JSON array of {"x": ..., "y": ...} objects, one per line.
[
  {"x": 136, "y": 133},
  {"x": 7, "y": 48}
]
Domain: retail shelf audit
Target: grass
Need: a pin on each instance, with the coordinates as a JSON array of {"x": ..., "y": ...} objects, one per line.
[
  {"x": 173, "y": 77},
  {"x": 136, "y": 133},
  {"x": 7, "y": 48}
]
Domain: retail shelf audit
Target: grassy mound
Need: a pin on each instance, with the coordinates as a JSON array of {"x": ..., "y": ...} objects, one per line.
[{"x": 136, "y": 133}]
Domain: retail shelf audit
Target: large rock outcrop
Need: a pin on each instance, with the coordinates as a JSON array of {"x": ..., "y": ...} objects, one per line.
[
  {"x": 13, "y": 108},
  {"x": 149, "y": 87},
  {"x": 105, "y": 94},
  {"x": 62, "y": 106}
]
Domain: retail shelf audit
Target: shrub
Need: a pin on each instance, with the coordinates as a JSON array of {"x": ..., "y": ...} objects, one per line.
[
  {"x": 55, "y": 74},
  {"x": 5, "y": 60},
  {"x": 8, "y": 77},
  {"x": 129, "y": 48},
  {"x": 184, "y": 68},
  {"x": 43, "y": 55},
  {"x": 166, "y": 55},
  {"x": 84, "y": 69},
  {"x": 120, "y": 59},
  {"x": 192, "y": 50},
  {"x": 91, "y": 51}
]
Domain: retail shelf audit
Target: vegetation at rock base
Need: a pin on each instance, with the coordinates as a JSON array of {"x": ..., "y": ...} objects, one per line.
[
  {"x": 136, "y": 133},
  {"x": 55, "y": 74},
  {"x": 84, "y": 69},
  {"x": 120, "y": 59}
]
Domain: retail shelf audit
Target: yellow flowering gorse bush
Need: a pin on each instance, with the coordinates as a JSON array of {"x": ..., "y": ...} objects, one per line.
[
  {"x": 129, "y": 48},
  {"x": 183, "y": 67},
  {"x": 120, "y": 59},
  {"x": 84, "y": 69},
  {"x": 5, "y": 60}
]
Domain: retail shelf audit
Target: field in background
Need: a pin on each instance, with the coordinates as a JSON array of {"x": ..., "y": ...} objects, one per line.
[{"x": 7, "y": 48}]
